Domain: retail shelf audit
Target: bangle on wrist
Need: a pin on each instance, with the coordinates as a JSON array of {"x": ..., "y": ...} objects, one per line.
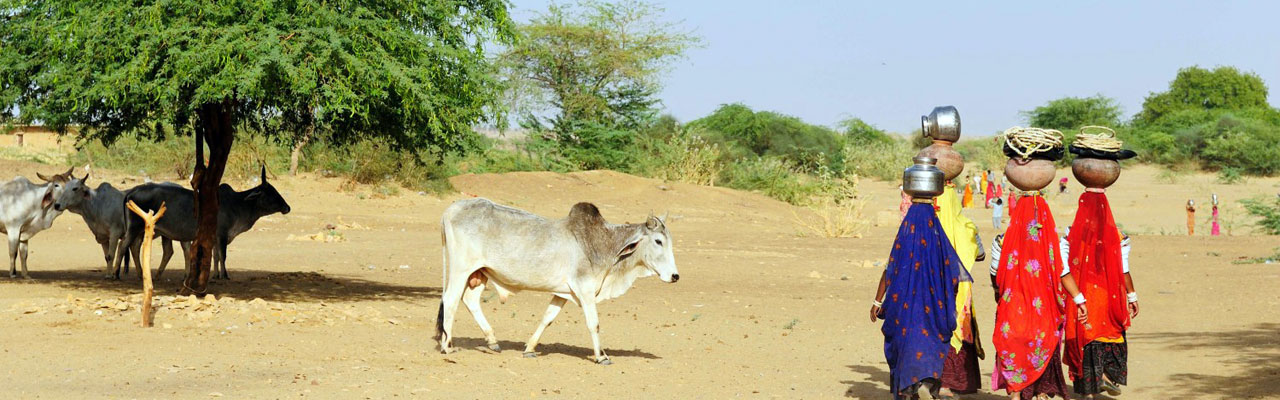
[
  {"x": 1079, "y": 299},
  {"x": 1133, "y": 297},
  {"x": 877, "y": 303}
]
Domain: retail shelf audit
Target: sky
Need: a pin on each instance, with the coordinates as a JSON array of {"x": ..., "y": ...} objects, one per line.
[{"x": 890, "y": 62}]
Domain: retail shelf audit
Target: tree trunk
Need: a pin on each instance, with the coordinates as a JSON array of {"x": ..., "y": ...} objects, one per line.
[
  {"x": 216, "y": 130},
  {"x": 297, "y": 150}
]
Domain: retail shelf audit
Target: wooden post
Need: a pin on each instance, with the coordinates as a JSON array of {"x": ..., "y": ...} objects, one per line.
[{"x": 145, "y": 265}]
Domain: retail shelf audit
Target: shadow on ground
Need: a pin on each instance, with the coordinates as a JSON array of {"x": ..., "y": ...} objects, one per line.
[
  {"x": 245, "y": 284},
  {"x": 876, "y": 385},
  {"x": 1255, "y": 351},
  {"x": 544, "y": 349}
]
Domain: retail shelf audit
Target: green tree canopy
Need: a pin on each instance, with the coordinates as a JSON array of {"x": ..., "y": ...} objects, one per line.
[
  {"x": 1195, "y": 88},
  {"x": 858, "y": 131},
  {"x": 1068, "y": 114},
  {"x": 746, "y": 132},
  {"x": 412, "y": 71}
]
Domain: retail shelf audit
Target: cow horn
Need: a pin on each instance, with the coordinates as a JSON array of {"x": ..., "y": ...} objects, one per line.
[
  {"x": 264, "y": 173},
  {"x": 42, "y": 177}
]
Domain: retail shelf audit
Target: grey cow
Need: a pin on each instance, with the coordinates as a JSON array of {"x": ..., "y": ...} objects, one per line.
[
  {"x": 237, "y": 212},
  {"x": 25, "y": 209},
  {"x": 580, "y": 258},
  {"x": 104, "y": 211}
]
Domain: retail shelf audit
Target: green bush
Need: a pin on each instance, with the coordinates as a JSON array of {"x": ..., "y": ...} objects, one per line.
[
  {"x": 744, "y": 133},
  {"x": 375, "y": 161},
  {"x": 679, "y": 155},
  {"x": 771, "y": 176},
  {"x": 1267, "y": 212},
  {"x": 880, "y": 160},
  {"x": 172, "y": 157}
]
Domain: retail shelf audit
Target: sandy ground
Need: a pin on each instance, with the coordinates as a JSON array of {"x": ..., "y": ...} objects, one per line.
[{"x": 761, "y": 310}]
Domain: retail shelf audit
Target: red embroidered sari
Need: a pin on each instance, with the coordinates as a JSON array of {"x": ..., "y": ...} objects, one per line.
[
  {"x": 1096, "y": 265},
  {"x": 1030, "y": 314}
]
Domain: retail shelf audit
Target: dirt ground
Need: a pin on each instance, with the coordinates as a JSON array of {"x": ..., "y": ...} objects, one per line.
[{"x": 761, "y": 311}]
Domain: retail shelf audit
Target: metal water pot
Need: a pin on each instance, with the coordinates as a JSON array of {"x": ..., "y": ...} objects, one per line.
[
  {"x": 922, "y": 180},
  {"x": 941, "y": 124}
]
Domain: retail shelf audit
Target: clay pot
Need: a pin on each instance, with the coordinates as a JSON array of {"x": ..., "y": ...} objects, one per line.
[
  {"x": 949, "y": 160},
  {"x": 1095, "y": 173},
  {"x": 1029, "y": 175}
]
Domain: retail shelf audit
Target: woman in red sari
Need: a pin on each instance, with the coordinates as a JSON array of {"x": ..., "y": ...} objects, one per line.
[
  {"x": 1096, "y": 349},
  {"x": 1032, "y": 283}
]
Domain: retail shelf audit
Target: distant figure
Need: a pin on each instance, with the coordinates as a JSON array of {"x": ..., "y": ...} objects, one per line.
[
  {"x": 1062, "y": 185},
  {"x": 968, "y": 195},
  {"x": 977, "y": 183},
  {"x": 1217, "y": 229},
  {"x": 985, "y": 179},
  {"x": 1191, "y": 217},
  {"x": 991, "y": 192},
  {"x": 1000, "y": 190},
  {"x": 997, "y": 213}
]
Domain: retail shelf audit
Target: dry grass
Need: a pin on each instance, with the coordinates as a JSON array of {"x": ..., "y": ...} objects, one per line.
[{"x": 837, "y": 212}]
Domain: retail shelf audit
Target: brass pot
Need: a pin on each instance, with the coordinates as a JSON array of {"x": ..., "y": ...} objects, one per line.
[
  {"x": 1029, "y": 174},
  {"x": 1095, "y": 172},
  {"x": 949, "y": 160}
]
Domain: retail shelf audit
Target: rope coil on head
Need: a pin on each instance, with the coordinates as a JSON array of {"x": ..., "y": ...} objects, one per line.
[
  {"x": 1103, "y": 140},
  {"x": 1028, "y": 141}
]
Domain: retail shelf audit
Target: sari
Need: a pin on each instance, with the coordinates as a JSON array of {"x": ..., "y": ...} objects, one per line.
[
  {"x": 919, "y": 303},
  {"x": 1030, "y": 314},
  {"x": 1096, "y": 264}
]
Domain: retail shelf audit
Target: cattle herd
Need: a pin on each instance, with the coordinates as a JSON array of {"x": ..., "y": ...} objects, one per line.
[{"x": 581, "y": 258}]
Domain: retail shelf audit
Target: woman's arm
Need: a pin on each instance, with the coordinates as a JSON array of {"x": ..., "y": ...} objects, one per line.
[
  {"x": 1069, "y": 283},
  {"x": 875, "y": 304}
]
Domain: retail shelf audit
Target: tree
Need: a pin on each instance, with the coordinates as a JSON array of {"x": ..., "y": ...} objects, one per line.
[
  {"x": 858, "y": 131},
  {"x": 414, "y": 72},
  {"x": 598, "y": 66},
  {"x": 1223, "y": 88},
  {"x": 748, "y": 133},
  {"x": 1068, "y": 114}
]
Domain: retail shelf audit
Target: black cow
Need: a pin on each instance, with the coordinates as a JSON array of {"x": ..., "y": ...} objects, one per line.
[{"x": 237, "y": 212}]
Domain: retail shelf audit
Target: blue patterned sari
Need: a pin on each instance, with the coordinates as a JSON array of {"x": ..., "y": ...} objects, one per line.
[{"x": 919, "y": 303}]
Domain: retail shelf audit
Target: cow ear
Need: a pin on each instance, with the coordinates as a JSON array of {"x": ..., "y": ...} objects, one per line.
[
  {"x": 628, "y": 249},
  {"x": 47, "y": 200}
]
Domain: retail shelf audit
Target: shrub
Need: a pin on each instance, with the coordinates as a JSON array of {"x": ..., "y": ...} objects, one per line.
[
  {"x": 684, "y": 156},
  {"x": 1267, "y": 212},
  {"x": 1230, "y": 176},
  {"x": 880, "y": 160},
  {"x": 171, "y": 158},
  {"x": 771, "y": 176},
  {"x": 744, "y": 133},
  {"x": 837, "y": 208}
]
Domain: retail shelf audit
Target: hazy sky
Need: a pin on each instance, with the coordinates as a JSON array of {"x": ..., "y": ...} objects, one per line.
[{"x": 888, "y": 62}]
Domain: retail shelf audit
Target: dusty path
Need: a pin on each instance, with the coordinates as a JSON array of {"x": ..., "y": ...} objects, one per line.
[{"x": 760, "y": 312}]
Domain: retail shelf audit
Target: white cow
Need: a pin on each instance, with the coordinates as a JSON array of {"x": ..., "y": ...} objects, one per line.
[
  {"x": 25, "y": 209},
  {"x": 580, "y": 258}
]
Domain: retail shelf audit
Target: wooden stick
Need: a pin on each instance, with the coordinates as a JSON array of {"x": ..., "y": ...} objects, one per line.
[{"x": 145, "y": 264}]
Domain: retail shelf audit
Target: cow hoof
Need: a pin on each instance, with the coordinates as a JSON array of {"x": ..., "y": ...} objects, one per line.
[
  {"x": 605, "y": 361},
  {"x": 495, "y": 347},
  {"x": 530, "y": 354}
]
